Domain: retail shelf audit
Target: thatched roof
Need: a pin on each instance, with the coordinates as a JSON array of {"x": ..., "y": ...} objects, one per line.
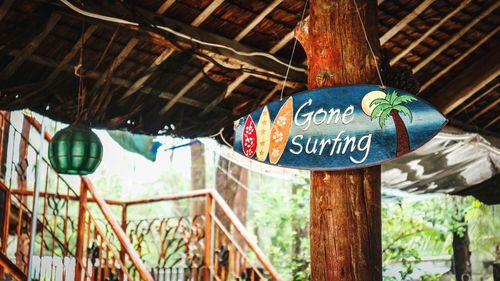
[{"x": 146, "y": 79}]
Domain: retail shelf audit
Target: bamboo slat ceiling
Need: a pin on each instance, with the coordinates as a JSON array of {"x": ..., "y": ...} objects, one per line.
[{"x": 148, "y": 80}]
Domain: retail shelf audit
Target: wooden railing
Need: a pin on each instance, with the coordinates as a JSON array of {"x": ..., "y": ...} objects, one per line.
[
  {"x": 204, "y": 247},
  {"x": 11, "y": 268},
  {"x": 231, "y": 258}
]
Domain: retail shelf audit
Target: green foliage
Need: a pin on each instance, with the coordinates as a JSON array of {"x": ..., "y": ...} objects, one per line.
[
  {"x": 392, "y": 101},
  {"x": 279, "y": 216}
]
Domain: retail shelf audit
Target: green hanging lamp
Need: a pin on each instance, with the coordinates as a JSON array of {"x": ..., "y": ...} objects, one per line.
[{"x": 75, "y": 150}]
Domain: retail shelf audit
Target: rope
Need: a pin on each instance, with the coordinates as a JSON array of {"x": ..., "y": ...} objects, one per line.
[
  {"x": 293, "y": 52},
  {"x": 369, "y": 45}
]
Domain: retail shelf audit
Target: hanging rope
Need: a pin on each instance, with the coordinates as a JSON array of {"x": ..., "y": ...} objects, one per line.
[
  {"x": 293, "y": 52},
  {"x": 369, "y": 44}
]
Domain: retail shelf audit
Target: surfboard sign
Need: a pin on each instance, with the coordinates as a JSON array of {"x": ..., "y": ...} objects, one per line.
[{"x": 337, "y": 128}]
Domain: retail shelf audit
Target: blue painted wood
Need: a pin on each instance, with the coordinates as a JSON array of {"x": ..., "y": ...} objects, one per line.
[{"x": 338, "y": 128}]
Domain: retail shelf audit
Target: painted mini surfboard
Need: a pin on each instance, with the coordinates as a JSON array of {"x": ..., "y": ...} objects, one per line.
[
  {"x": 280, "y": 131},
  {"x": 343, "y": 127},
  {"x": 249, "y": 143},
  {"x": 263, "y": 134}
]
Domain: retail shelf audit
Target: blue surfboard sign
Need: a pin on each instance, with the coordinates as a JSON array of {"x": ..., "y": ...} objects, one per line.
[{"x": 337, "y": 128}]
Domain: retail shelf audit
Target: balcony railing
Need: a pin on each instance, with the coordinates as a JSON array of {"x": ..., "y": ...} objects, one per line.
[{"x": 80, "y": 238}]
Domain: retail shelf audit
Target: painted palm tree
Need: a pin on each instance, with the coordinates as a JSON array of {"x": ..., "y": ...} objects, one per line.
[{"x": 392, "y": 105}]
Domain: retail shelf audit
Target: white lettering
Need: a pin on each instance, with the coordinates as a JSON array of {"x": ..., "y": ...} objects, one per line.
[
  {"x": 332, "y": 112},
  {"x": 314, "y": 148},
  {"x": 349, "y": 109},
  {"x": 307, "y": 116},
  {"x": 366, "y": 148},
  {"x": 323, "y": 143},
  {"x": 320, "y": 111},
  {"x": 297, "y": 144}
]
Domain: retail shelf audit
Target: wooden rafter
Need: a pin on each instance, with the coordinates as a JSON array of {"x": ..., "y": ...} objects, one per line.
[
  {"x": 484, "y": 110},
  {"x": 456, "y": 61},
  {"x": 435, "y": 27},
  {"x": 484, "y": 94},
  {"x": 257, "y": 19},
  {"x": 183, "y": 91},
  {"x": 207, "y": 12},
  {"x": 276, "y": 88},
  {"x": 492, "y": 122},
  {"x": 471, "y": 80},
  {"x": 456, "y": 36},
  {"x": 114, "y": 80},
  {"x": 147, "y": 73},
  {"x": 210, "y": 65},
  {"x": 114, "y": 65},
  {"x": 5, "y": 7},
  {"x": 156, "y": 63},
  {"x": 74, "y": 51},
  {"x": 11, "y": 68},
  {"x": 234, "y": 54},
  {"x": 164, "y": 6},
  {"x": 278, "y": 46},
  {"x": 402, "y": 23}
]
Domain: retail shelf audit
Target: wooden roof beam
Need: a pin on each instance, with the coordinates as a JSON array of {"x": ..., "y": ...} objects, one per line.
[
  {"x": 164, "y": 6},
  {"x": 114, "y": 80},
  {"x": 184, "y": 90},
  {"x": 417, "y": 42},
  {"x": 199, "y": 20},
  {"x": 5, "y": 7},
  {"x": 401, "y": 24},
  {"x": 74, "y": 51},
  {"x": 445, "y": 70},
  {"x": 210, "y": 65},
  {"x": 484, "y": 94},
  {"x": 206, "y": 13},
  {"x": 465, "y": 85},
  {"x": 115, "y": 64},
  {"x": 456, "y": 36},
  {"x": 484, "y": 110},
  {"x": 139, "y": 83},
  {"x": 257, "y": 19},
  {"x": 492, "y": 122},
  {"x": 11, "y": 68}
]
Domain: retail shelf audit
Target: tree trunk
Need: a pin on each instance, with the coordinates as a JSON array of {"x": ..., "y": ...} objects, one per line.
[
  {"x": 300, "y": 232},
  {"x": 345, "y": 229},
  {"x": 197, "y": 176},
  {"x": 496, "y": 271},
  {"x": 461, "y": 256},
  {"x": 403, "y": 141}
]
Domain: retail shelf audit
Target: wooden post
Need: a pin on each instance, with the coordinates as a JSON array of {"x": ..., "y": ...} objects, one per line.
[
  {"x": 124, "y": 227},
  {"x": 461, "y": 256},
  {"x": 80, "y": 241},
  {"x": 208, "y": 237},
  {"x": 5, "y": 223},
  {"x": 345, "y": 228}
]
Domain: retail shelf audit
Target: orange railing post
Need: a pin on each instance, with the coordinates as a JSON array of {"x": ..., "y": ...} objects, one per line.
[
  {"x": 120, "y": 234},
  {"x": 124, "y": 227},
  {"x": 208, "y": 238},
  {"x": 80, "y": 241}
]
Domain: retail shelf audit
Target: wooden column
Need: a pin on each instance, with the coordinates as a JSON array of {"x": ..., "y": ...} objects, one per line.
[
  {"x": 124, "y": 227},
  {"x": 208, "y": 238},
  {"x": 345, "y": 228},
  {"x": 80, "y": 241},
  {"x": 461, "y": 256}
]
